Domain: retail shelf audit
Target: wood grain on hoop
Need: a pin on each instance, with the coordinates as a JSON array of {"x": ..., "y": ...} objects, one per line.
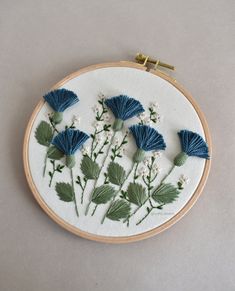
[{"x": 109, "y": 239}]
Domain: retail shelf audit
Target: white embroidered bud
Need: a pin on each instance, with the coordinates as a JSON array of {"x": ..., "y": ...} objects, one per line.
[
  {"x": 85, "y": 150},
  {"x": 76, "y": 119},
  {"x": 157, "y": 154},
  {"x": 106, "y": 117}
]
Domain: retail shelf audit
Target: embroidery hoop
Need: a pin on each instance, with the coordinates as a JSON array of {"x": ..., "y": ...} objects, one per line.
[{"x": 114, "y": 239}]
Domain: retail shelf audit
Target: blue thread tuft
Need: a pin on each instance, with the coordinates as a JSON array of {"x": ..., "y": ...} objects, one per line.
[
  {"x": 69, "y": 141},
  {"x": 124, "y": 107},
  {"x": 147, "y": 138},
  {"x": 193, "y": 144},
  {"x": 61, "y": 99}
]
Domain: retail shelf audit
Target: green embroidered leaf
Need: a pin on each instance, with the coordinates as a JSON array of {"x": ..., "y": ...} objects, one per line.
[
  {"x": 165, "y": 193},
  {"x": 103, "y": 194},
  {"x": 136, "y": 194},
  {"x": 54, "y": 153},
  {"x": 64, "y": 191},
  {"x": 89, "y": 168},
  {"x": 44, "y": 133},
  {"x": 116, "y": 173},
  {"x": 120, "y": 209}
]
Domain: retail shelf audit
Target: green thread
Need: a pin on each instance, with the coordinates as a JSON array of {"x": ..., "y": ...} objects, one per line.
[
  {"x": 139, "y": 156},
  {"x": 118, "y": 124},
  {"x": 119, "y": 189},
  {"x": 101, "y": 168},
  {"x": 74, "y": 196},
  {"x": 180, "y": 159},
  {"x": 55, "y": 169},
  {"x": 159, "y": 206},
  {"x": 70, "y": 161},
  {"x": 147, "y": 181},
  {"x": 83, "y": 190},
  {"x": 45, "y": 165},
  {"x": 57, "y": 117}
]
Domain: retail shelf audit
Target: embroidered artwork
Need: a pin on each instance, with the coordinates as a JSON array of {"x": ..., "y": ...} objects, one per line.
[
  {"x": 124, "y": 191},
  {"x": 119, "y": 163}
]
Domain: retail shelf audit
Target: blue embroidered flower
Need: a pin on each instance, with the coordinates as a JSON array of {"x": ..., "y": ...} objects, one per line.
[
  {"x": 147, "y": 139},
  {"x": 60, "y": 100},
  {"x": 68, "y": 142},
  {"x": 192, "y": 144},
  {"x": 123, "y": 108}
]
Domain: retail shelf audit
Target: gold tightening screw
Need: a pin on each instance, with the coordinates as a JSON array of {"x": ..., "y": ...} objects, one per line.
[{"x": 141, "y": 58}]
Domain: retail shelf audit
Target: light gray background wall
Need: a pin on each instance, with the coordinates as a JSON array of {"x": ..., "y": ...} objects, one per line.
[{"x": 41, "y": 42}]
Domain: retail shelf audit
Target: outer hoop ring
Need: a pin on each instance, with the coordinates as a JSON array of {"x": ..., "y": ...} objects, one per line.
[{"x": 111, "y": 239}]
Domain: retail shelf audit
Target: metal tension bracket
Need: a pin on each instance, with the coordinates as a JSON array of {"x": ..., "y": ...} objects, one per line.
[{"x": 144, "y": 60}]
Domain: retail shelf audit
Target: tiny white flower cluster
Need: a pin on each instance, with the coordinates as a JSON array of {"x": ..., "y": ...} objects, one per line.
[
  {"x": 108, "y": 135},
  {"x": 99, "y": 138},
  {"x": 152, "y": 117},
  {"x": 97, "y": 108},
  {"x": 103, "y": 136},
  {"x": 156, "y": 169},
  {"x": 183, "y": 180},
  {"x": 85, "y": 150},
  {"x": 154, "y": 106},
  {"x": 145, "y": 119},
  {"x": 143, "y": 171},
  {"x": 147, "y": 161},
  {"x": 117, "y": 143},
  {"x": 157, "y": 154},
  {"x": 76, "y": 119},
  {"x": 98, "y": 125},
  {"x": 101, "y": 96},
  {"x": 106, "y": 117}
]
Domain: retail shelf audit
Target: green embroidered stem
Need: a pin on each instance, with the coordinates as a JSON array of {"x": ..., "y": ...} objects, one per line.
[
  {"x": 92, "y": 144},
  {"x": 135, "y": 173},
  {"x": 149, "y": 187},
  {"x": 74, "y": 197},
  {"x": 119, "y": 189},
  {"x": 53, "y": 126},
  {"x": 101, "y": 168},
  {"x": 100, "y": 151},
  {"x": 149, "y": 211},
  {"x": 87, "y": 208},
  {"x": 52, "y": 174},
  {"x": 148, "y": 183},
  {"x": 83, "y": 190},
  {"x": 93, "y": 212},
  {"x": 159, "y": 206},
  {"x": 102, "y": 221},
  {"x": 146, "y": 215},
  {"x": 45, "y": 165},
  {"x": 95, "y": 157},
  {"x": 116, "y": 149},
  {"x": 168, "y": 174},
  {"x": 133, "y": 213},
  {"x": 45, "y": 160}
]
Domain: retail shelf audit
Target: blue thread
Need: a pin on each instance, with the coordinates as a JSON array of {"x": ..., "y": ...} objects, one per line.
[
  {"x": 124, "y": 107},
  {"x": 147, "y": 138},
  {"x": 69, "y": 141},
  {"x": 61, "y": 99},
  {"x": 193, "y": 144}
]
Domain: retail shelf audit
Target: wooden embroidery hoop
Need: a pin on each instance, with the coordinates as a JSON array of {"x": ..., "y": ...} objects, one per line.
[{"x": 110, "y": 239}]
